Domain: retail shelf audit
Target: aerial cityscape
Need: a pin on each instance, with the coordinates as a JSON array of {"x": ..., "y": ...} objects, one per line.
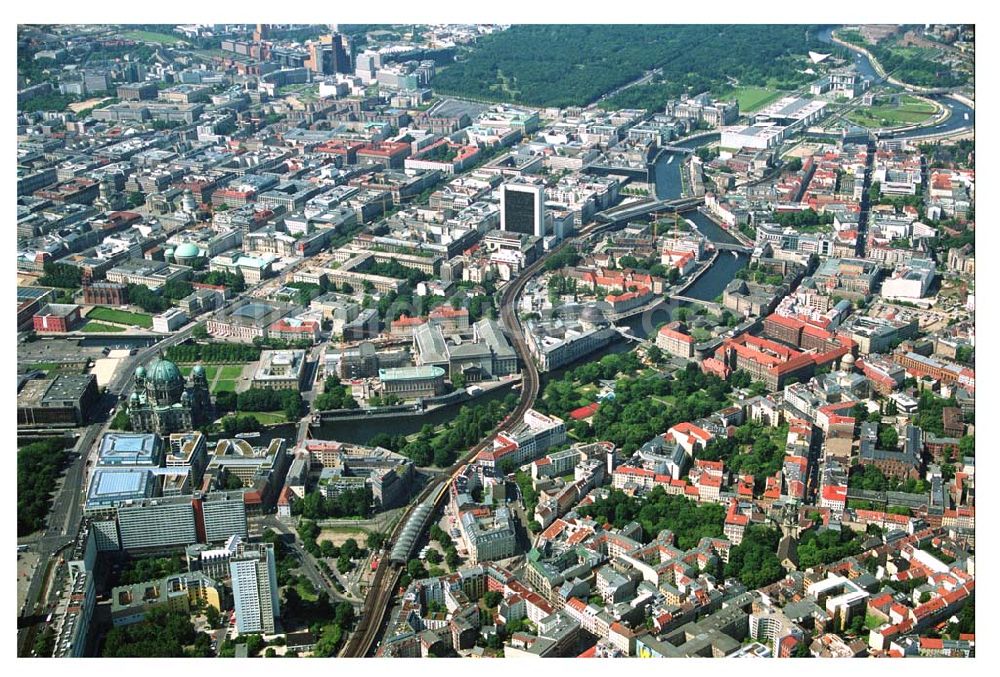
[{"x": 496, "y": 340}]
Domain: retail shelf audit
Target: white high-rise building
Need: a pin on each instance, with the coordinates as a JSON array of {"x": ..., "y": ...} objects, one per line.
[{"x": 255, "y": 587}]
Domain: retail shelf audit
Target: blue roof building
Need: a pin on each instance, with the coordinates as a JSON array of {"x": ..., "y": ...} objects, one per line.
[
  {"x": 110, "y": 487},
  {"x": 130, "y": 449}
]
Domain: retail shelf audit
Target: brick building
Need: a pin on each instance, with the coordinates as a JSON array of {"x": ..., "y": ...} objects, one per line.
[
  {"x": 105, "y": 294},
  {"x": 56, "y": 318}
]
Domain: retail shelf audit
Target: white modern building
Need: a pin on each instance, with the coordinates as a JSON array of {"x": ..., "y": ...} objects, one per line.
[
  {"x": 169, "y": 320},
  {"x": 910, "y": 281},
  {"x": 255, "y": 587}
]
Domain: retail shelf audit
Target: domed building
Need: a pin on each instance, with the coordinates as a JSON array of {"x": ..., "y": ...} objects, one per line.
[
  {"x": 162, "y": 401},
  {"x": 186, "y": 253}
]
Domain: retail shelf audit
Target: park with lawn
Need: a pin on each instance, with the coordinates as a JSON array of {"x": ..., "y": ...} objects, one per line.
[
  {"x": 910, "y": 110},
  {"x": 120, "y": 317},
  {"x": 150, "y": 36}
]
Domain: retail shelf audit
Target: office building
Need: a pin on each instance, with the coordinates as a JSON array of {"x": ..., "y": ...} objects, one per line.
[
  {"x": 522, "y": 209},
  {"x": 224, "y": 515},
  {"x": 157, "y": 523},
  {"x": 64, "y": 400},
  {"x": 170, "y": 320}
]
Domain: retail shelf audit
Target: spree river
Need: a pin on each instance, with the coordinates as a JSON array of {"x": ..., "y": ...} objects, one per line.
[
  {"x": 962, "y": 116},
  {"x": 668, "y": 186}
]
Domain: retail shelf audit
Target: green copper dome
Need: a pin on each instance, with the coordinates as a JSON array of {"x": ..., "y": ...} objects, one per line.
[
  {"x": 186, "y": 251},
  {"x": 165, "y": 373}
]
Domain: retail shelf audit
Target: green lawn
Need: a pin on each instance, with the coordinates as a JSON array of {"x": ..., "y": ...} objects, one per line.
[
  {"x": 306, "y": 592},
  {"x": 917, "y": 105},
  {"x": 224, "y": 384},
  {"x": 909, "y": 111},
  {"x": 120, "y": 316},
  {"x": 266, "y": 417},
  {"x": 752, "y": 98},
  {"x": 100, "y": 328},
  {"x": 231, "y": 372},
  {"x": 148, "y": 36},
  {"x": 51, "y": 368},
  {"x": 43, "y": 366}
]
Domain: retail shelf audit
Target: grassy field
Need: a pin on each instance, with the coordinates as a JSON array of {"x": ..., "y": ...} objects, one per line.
[
  {"x": 266, "y": 417},
  {"x": 752, "y": 98},
  {"x": 909, "y": 111},
  {"x": 53, "y": 367},
  {"x": 120, "y": 316},
  {"x": 231, "y": 372},
  {"x": 224, "y": 384},
  {"x": 148, "y": 36},
  {"x": 337, "y": 535},
  {"x": 100, "y": 327}
]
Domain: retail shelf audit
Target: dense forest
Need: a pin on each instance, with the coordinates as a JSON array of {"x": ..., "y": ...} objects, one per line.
[
  {"x": 754, "y": 561},
  {"x": 571, "y": 65},
  {"x": 213, "y": 353},
  {"x": 646, "y": 406},
  {"x": 465, "y": 430}
]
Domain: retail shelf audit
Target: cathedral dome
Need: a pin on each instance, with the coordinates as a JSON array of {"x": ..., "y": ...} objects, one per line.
[{"x": 164, "y": 373}]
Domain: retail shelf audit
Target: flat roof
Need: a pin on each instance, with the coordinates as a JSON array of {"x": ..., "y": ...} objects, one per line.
[
  {"x": 410, "y": 373},
  {"x": 110, "y": 485},
  {"x": 129, "y": 448}
]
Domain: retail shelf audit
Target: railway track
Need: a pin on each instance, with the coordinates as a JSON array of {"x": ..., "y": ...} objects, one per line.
[{"x": 383, "y": 588}]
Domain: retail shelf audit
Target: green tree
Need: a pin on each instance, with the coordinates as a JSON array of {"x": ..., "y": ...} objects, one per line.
[
  {"x": 415, "y": 568},
  {"x": 888, "y": 437}
]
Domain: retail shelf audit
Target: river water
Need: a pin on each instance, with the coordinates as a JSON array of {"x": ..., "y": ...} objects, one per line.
[
  {"x": 961, "y": 115},
  {"x": 708, "y": 286}
]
